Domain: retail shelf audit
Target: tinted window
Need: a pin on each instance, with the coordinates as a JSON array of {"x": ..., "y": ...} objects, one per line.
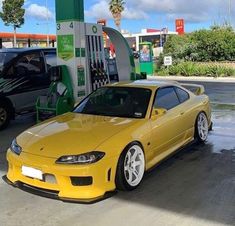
[
  {"x": 5, "y": 58},
  {"x": 28, "y": 64},
  {"x": 183, "y": 95},
  {"x": 117, "y": 101},
  {"x": 50, "y": 57},
  {"x": 166, "y": 98}
]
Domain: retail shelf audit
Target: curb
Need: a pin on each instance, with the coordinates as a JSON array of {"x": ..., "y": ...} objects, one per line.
[
  {"x": 222, "y": 103},
  {"x": 193, "y": 78}
]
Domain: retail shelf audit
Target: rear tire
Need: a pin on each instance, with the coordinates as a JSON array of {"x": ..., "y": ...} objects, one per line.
[
  {"x": 5, "y": 115},
  {"x": 130, "y": 168},
  {"x": 201, "y": 128}
]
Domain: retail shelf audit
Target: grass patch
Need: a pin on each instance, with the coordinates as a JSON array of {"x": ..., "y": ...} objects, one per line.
[{"x": 194, "y": 69}]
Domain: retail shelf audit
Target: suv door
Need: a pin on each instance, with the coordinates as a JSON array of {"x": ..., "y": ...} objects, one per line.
[{"x": 30, "y": 80}]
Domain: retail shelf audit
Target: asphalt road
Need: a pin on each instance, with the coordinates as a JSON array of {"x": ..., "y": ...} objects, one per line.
[
  {"x": 194, "y": 187},
  {"x": 219, "y": 92}
]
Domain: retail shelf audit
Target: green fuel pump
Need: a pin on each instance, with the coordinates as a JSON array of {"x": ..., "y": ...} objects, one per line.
[
  {"x": 146, "y": 58},
  {"x": 80, "y": 52},
  {"x": 80, "y": 47}
]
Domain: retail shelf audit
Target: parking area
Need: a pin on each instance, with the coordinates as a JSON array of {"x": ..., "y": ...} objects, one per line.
[{"x": 196, "y": 186}]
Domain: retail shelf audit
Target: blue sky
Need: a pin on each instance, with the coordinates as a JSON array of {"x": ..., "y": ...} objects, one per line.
[{"x": 138, "y": 14}]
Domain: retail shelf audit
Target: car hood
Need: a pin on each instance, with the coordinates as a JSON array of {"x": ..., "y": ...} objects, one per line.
[{"x": 71, "y": 134}]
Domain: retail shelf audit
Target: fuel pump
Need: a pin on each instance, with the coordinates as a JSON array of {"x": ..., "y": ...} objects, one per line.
[{"x": 80, "y": 47}]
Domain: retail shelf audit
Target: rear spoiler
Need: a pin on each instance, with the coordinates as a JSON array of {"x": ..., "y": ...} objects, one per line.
[{"x": 195, "y": 88}]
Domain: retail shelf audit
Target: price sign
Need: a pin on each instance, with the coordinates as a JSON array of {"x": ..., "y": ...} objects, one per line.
[{"x": 168, "y": 60}]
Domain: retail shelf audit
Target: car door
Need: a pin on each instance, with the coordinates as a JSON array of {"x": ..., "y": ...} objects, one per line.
[
  {"x": 31, "y": 80},
  {"x": 167, "y": 131},
  {"x": 186, "y": 110}
]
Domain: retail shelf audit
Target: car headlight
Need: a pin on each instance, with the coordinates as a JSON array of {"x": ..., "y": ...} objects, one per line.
[
  {"x": 15, "y": 147},
  {"x": 85, "y": 158}
]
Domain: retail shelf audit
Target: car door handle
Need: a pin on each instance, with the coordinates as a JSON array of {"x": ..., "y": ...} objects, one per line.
[{"x": 181, "y": 113}]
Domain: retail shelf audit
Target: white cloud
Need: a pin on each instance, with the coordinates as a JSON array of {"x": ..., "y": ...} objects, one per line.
[
  {"x": 191, "y": 11},
  {"x": 39, "y": 12},
  {"x": 189, "y": 18},
  {"x": 130, "y": 13},
  {"x": 100, "y": 10}
]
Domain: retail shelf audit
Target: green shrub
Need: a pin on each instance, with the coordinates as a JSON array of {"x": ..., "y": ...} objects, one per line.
[
  {"x": 216, "y": 44},
  {"x": 190, "y": 68},
  {"x": 163, "y": 72},
  {"x": 174, "y": 70}
]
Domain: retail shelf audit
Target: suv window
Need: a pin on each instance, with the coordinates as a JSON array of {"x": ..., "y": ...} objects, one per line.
[
  {"x": 183, "y": 95},
  {"x": 166, "y": 98},
  {"x": 50, "y": 57},
  {"x": 27, "y": 64},
  {"x": 5, "y": 58}
]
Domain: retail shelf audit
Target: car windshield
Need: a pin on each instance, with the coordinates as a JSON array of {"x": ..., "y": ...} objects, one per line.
[
  {"x": 128, "y": 102},
  {"x": 5, "y": 58}
]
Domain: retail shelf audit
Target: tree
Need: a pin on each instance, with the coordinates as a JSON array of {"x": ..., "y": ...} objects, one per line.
[
  {"x": 13, "y": 14},
  {"x": 216, "y": 44},
  {"x": 116, "y": 7}
]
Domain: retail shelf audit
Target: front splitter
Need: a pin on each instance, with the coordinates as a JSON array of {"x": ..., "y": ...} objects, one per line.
[{"x": 54, "y": 194}]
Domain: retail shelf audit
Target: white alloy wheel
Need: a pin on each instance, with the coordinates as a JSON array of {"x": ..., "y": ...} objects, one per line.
[
  {"x": 134, "y": 165},
  {"x": 202, "y": 126}
]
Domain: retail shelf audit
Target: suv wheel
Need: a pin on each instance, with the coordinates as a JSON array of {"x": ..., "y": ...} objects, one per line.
[{"x": 5, "y": 115}]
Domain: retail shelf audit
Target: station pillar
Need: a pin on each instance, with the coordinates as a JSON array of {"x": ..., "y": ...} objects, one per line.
[
  {"x": 80, "y": 47},
  {"x": 71, "y": 42}
]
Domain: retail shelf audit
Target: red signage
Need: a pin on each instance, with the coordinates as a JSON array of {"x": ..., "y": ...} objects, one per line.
[
  {"x": 179, "y": 26},
  {"x": 103, "y": 23},
  {"x": 150, "y": 30}
]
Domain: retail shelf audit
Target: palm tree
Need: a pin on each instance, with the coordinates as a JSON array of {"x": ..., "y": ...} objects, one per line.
[{"x": 116, "y": 7}]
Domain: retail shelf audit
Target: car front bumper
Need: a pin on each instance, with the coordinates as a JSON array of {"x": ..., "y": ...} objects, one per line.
[
  {"x": 54, "y": 194},
  {"x": 63, "y": 181}
]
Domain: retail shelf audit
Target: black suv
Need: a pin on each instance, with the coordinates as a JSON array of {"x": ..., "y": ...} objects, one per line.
[{"x": 23, "y": 77}]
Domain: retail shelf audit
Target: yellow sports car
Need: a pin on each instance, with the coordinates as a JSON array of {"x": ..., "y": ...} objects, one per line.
[{"x": 108, "y": 142}]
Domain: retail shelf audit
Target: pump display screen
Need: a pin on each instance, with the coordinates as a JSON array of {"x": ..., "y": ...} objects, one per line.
[{"x": 145, "y": 53}]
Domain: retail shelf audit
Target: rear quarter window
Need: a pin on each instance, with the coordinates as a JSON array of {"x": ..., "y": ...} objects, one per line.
[
  {"x": 182, "y": 94},
  {"x": 166, "y": 98}
]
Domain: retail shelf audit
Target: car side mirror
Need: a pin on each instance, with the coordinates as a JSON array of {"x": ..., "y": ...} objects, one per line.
[{"x": 157, "y": 112}]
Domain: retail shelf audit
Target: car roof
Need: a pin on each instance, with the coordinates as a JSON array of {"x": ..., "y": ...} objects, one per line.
[
  {"x": 21, "y": 50},
  {"x": 153, "y": 84}
]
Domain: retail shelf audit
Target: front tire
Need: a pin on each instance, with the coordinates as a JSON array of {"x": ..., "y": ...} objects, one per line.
[
  {"x": 130, "y": 168},
  {"x": 201, "y": 128},
  {"x": 5, "y": 115}
]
